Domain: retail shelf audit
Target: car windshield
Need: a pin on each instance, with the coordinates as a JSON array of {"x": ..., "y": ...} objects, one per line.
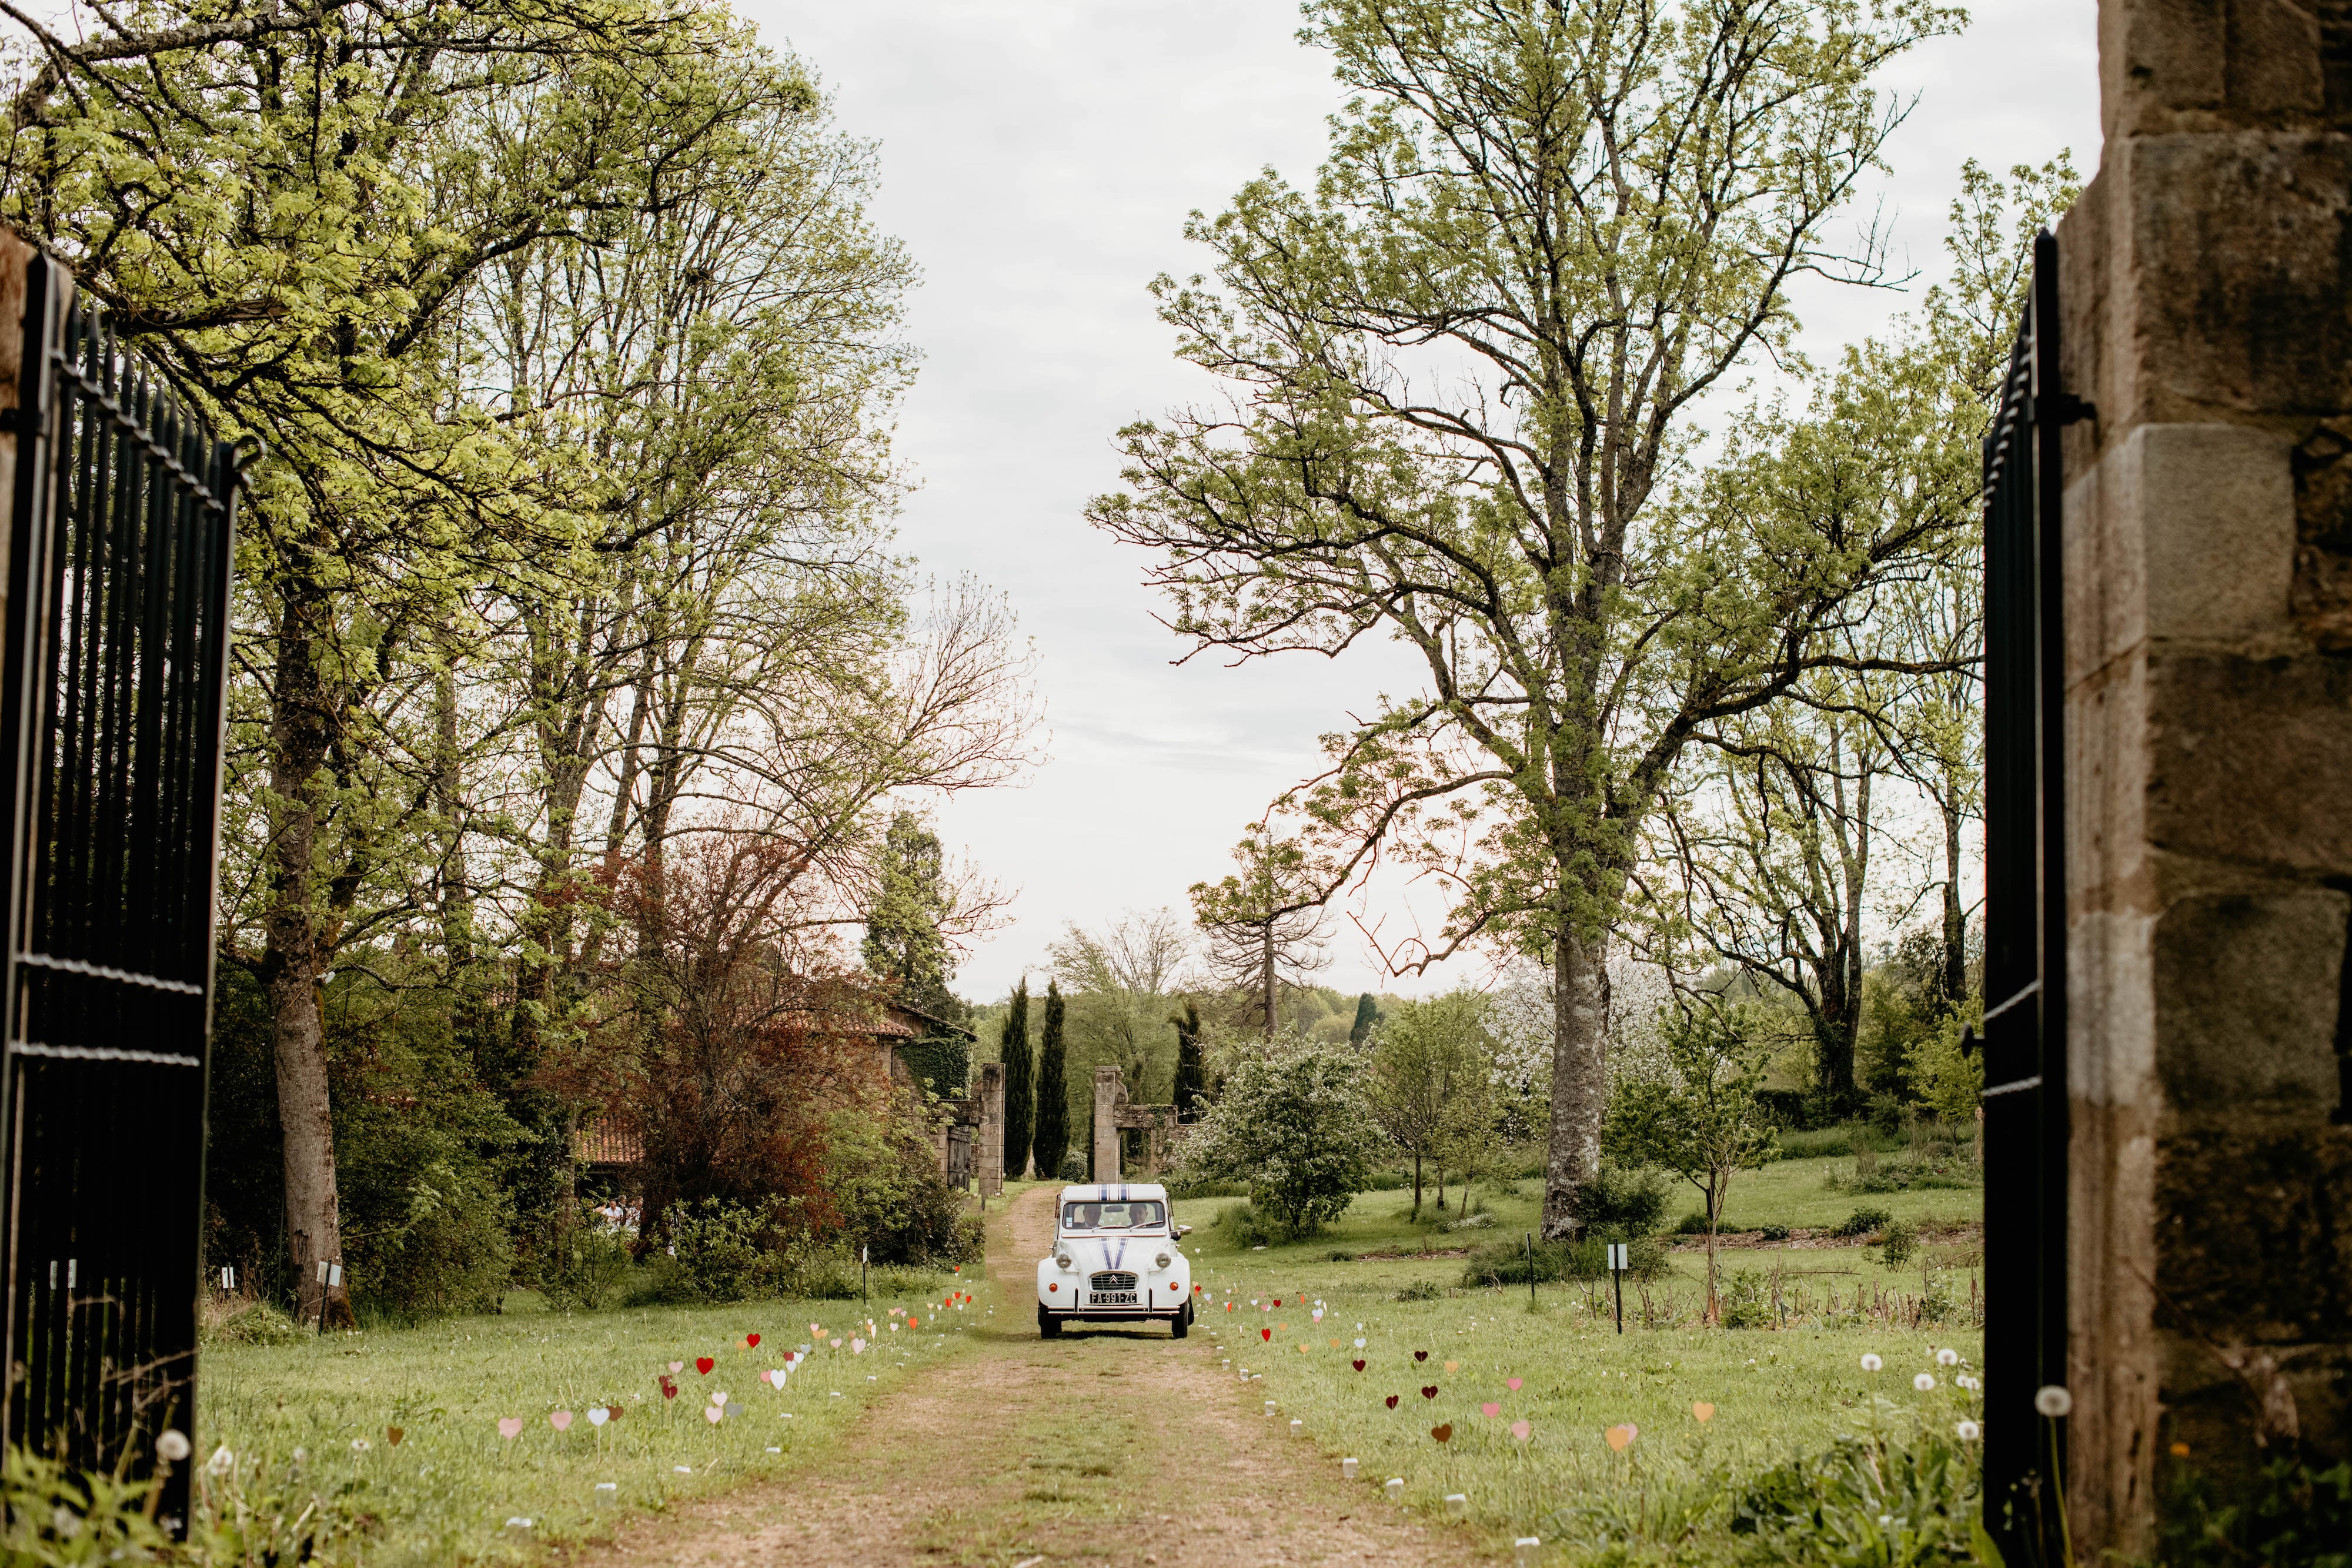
[{"x": 1132, "y": 1216}]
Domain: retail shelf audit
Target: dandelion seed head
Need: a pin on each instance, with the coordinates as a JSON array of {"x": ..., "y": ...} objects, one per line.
[
  {"x": 172, "y": 1445},
  {"x": 2052, "y": 1400},
  {"x": 1924, "y": 1381},
  {"x": 1870, "y": 1362},
  {"x": 1947, "y": 1358},
  {"x": 1967, "y": 1431}
]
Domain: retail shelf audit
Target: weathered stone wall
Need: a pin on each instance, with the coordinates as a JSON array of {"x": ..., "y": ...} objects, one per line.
[
  {"x": 987, "y": 1154},
  {"x": 1109, "y": 1095},
  {"x": 2207, "y": 280}
]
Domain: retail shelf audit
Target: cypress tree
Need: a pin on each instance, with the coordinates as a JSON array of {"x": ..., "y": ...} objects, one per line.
[
  {"x": 1053, "y": 1094},
  {"x": 1368, "y": 1013},
  {"x": 1191, "y": 1081},
  {"x": 1020, "y": 1086}
]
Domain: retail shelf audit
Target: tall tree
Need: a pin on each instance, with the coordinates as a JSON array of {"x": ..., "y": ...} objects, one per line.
[
  {"x": 1368, "y": 1013},
  {"x": 1428, "y": 1084},
  {"x": 1020, "y": 1086},
  {"x": 904, "y": 945},
  {"x": 1191, "y": 1071},
  {"x": 1265, "y": 923},
  {"x": 1115, "y": 978},
  {"x": 1053, "y": 1136},
  {"x": 1461, "y": 365}
]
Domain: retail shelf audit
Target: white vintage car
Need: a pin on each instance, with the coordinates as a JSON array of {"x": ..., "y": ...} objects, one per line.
[{"x": 1115, "y": 1260}]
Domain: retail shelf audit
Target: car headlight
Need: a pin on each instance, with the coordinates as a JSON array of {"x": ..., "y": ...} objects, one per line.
[
  {"x": 1161, "y": 1261},
  {"x": 1062, "y": 1259}
]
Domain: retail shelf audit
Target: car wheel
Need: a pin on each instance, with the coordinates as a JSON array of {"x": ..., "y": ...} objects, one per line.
[
  {"x": 1182, "y": 1324},
  {"x": 1048, "y": 1325}
]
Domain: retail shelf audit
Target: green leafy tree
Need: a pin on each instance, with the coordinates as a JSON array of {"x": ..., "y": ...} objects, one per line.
[
  {"x": 1053, "y": 1136},
  {"x": 1585, "y": 217},
  {"x": 1368, "y": 1013},
  {"x": 904, "y": 943},
  {"x": 1019, "y": 1085},
  {"x": 1191, "y": 1071},
  {"x": 1265, "y": 924},
  {"x": 1693, "y": 1111},
  {"x": 1293, "y": 1125},
  {"x": 1428, "y": 1087}
]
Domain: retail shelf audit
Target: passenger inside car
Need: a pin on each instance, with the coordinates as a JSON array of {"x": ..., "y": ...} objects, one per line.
[{"x": 1137, "y": 1216}]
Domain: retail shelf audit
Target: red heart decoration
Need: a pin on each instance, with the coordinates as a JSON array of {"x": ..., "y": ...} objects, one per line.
[
  {"x": 1266, "y": 1334},
  {"x": 1359, "y": 1366},
  {"x": 1420, "y": 1356},
  {"x": 612, "y": 1412},
  {"x": 1443, "y": 1431},
  {"x": 1393, "y": 1399},
  {"x": 669, "y": 1389},
  {"x": 703, "y": 1363},
  {"x": 393, "y": 1434},
  {"x": 1430, "y": 1392},
  {"x": 753, "y": 1340}
]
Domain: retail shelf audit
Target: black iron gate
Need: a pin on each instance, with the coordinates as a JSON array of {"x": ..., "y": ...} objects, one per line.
[
  {"x": 117, "y": 637},
  {"x": 2025, "y": 1122}
]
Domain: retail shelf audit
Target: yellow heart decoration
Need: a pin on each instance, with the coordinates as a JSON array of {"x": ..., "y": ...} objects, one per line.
[
  {"x": 1703, "y": 1410},
  {"x": 1453, "y": 1366}
]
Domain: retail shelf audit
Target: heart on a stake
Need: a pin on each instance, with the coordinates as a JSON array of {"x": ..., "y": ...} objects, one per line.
[
  {"x": 1393, "y": 1399},
  {"x": 1429, "y": 1391},
  {"x": 713, "y": 1414},
  {"x": 1515, "y": 1384},
  {"x": 676, "y": 1366},
  {"x": 1359, "y": 1345},
  {"x": 857, "y": 1347},
  {"x": 913, "y": 1323},
  {"x": 560, "y": 1420},
  {"x": 393, "y": 1434},
  {"x": 1266, "y": 1334},
  {"x": 1490, "y": 1410},
  {"x": 669, "y": 1389},
  {"x": 1618, "y": 1436},
  {"x": 703, "y": 1363},
  {"x": 613, "y": 1412},
  {"x": 752, "y": 1342},
  {"x": 816, "y": 1331},
  {"x": 1704, "y": 1411},
  {"x": 1358, "y": 1363},
  {"x": 1520, "y": 1430},
  {"x": 1420, "y": 1356},
  {"x": 1443, "y": 1431},
  {"x": 509, "y": 1427},
  {"x": 719, "y": 1398},
  {"x": 598, "y": 1416},
  {"x": 1453, "y": 1366}
]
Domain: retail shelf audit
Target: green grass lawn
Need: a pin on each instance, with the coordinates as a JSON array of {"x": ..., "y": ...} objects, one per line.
[
  {"x": 1767, "y": 1395},
  {"x": 445, "y": 1491}
]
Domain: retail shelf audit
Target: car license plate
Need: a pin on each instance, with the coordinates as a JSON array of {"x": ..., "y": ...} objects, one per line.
[{"x": 1115, "y": 1298}]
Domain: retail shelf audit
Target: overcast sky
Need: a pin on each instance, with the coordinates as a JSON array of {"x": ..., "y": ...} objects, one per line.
[{"x": 1039, "y": 157}]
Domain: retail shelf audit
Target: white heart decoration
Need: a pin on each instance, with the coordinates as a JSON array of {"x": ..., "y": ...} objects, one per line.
[
  {"x": 719, "y": 1398},
  {"x": 777, "y": 1377},
  {"x": 713, "y": 1414},
  {"x": 1359, "y": 1345},
  {"x": 598, "y": 1416},
  {"x": 857, "y": 1347}
]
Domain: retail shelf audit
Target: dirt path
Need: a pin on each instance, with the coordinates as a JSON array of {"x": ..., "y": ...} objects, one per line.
[{"x": 1109, "y": 1445}]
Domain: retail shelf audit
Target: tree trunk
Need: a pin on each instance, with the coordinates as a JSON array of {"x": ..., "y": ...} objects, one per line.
[
  {"x": 1580, "y": 1078},
  {"x": 294, "y": 965},
  {"x": 1266, "y": 976},
  {"x": 1416, "y": 1185},
  {"x": 1956, "y": 933}
]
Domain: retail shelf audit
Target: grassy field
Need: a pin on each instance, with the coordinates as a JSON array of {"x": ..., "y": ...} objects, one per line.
[
  {"x": 1706, "y": 1407},
  {"x": 449, "y": 1490}
]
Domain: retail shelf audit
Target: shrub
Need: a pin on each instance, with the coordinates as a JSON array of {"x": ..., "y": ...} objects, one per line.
[
  {"x": 885, "y": 1183},
  {"x": 1074, "y": 1166},
  {"x": 1773, "y": 1232},
  {"x": 718, "y": 1247},
  {"x": 1245, "y": 1225},
  {"x": 584, "y": 1267},
  {"x": 1621, "y": 1204},
  {"x": 1895, "y": 1246},
  {"x": 1341, "y": 1255},
  {"x": 1422, "y": 1291},
  {"x": 56, "y": 1516},
  {"x": 238, "y": 1321},
  {"x": 1693, "y": 1224},
  {"x": 1863, "y": 1222},
  {"x": 1827, "y": 1508},
  {"x": 1504, "y": 1263},
  {"x": 1746, "y": 1300},
  {"x": 1296, "y": 1126},
  {"x": 2291, "y": 1516}
]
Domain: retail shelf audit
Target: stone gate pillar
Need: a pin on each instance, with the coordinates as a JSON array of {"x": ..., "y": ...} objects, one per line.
[
  {"x": 2207, "y": 287},
  {"x": 988, "y": 1153},
  {"x": 1108, "y": 1094}
]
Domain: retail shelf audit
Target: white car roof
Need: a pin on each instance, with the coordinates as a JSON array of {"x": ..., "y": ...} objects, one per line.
[{"x": 1114, "y": 1192}]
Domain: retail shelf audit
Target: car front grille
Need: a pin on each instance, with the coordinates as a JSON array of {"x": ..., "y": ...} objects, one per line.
[{"x": 1113, "y": 1281}]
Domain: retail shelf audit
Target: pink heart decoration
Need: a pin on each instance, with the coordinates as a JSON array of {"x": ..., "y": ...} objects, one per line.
[
  {"x": 1618, "y": 1436},
  {"x": 719, "y": 1398},
  {"x": 678, "y": 1366},
  {"x": 560, "y": 1420},
  {"x": 1490, "y": 1411},
  {"x": 1520, "y": 1430},
  {"x": 713, "y": 1414},
  {"x": 510, "y": 1425},
  {"x": 1513, "y": 1383}
]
